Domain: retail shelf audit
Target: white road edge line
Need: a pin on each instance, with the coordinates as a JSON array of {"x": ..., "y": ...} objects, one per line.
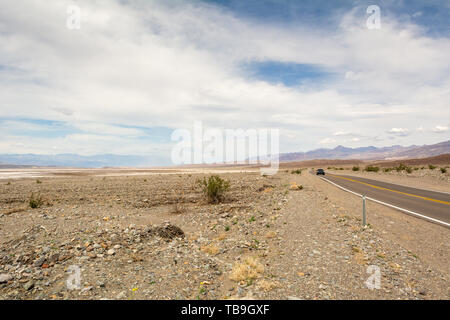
[
  {"x": 392, "y": 206},
  {"x": 395, "y": 184}
]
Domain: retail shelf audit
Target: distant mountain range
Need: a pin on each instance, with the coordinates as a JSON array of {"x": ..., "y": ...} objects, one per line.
[
  {"x": 370, "y": 153},
  {"x": 111, "y": 160}
]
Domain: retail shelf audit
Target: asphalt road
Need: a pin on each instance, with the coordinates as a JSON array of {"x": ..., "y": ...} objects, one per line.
[{"x": 430, "y": 204}]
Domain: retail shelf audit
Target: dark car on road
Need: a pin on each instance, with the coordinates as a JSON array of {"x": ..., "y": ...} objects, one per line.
[{"x": 320, "y": 171}]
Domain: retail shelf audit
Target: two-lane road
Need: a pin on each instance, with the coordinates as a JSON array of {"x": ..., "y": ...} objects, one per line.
[{"x": 430, "y": 205}]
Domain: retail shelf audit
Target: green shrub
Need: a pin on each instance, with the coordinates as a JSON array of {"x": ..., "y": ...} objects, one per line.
[
  {"x": 443, "y": 170},
  {"x": 401, "y": 167},
  {"x": 408, "y": 170},
  {"x": 355, "y": 168},
  {"x": 298, "y": 171},
  {"x": 387, "y": 169},
  {"x": 431, "y": 167},
  {"x": 35, "y": 201},
  {"x": 372, "y": 169},
  {"x": 214, "y": 188}
]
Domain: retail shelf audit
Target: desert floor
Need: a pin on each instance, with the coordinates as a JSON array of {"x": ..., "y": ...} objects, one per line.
[{"x": 152, "y": 235}]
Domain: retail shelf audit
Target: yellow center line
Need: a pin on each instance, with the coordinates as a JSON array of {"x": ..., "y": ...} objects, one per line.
[{"x": 381, "y": 188}]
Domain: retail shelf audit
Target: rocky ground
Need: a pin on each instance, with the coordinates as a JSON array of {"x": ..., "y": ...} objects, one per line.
[{"x": 156, "y": 237}]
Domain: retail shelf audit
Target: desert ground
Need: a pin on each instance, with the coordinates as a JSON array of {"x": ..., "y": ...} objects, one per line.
[{"x": 152, "y": 234}]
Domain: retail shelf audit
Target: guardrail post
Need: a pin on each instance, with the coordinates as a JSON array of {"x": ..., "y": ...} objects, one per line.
[{"x": 364, "y": 210}]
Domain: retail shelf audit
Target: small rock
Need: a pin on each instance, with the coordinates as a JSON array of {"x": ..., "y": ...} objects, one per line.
[
  {"x": 53, "y": 258},
  {"x": 5, "y": 277},
  {"x": 86, "y": 289},
  {"x": 111, "y": 252},
  {"x": 39, "y": 262},
  {"x": 121, "y": 295},
  {"x": 29, "y": 285}
]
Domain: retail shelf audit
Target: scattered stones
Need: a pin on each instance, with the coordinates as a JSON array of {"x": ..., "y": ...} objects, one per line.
[
  {"x": 304, "y": 244},
  {"x": 39, "y": 262},
  {"x": 4, "y": 277}
]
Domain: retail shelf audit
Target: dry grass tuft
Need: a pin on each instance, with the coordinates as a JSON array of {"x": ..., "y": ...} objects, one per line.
[
  {"x": 210, "y": 249},
  {"x": 267, "y": 285},
  {"x": 249, "y": 269},
  {"x": 222, "y": 236},
  {"x": 271, "y": 234}
]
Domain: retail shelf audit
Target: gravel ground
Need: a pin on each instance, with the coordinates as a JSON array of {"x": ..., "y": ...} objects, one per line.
[{"x": 156, "y": 237}]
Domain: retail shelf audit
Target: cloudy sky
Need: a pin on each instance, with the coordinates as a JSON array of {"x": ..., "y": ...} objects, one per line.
[{"x": 136, "y": 70}]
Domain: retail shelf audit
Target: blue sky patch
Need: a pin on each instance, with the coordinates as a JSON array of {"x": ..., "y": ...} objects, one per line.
[{"x": 289, "y": 74}]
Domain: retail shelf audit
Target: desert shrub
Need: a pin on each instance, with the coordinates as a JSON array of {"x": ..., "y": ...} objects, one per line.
[
  {"x": 431, "y": 167},
  {"x": 387, "y": 169},
  {"x": 443, "y": 170},
  {"x": 355, "y": 168},
  {"x": 401, "y": 167},
  {"x": 214, "y": 188},
  {"x": 372, "y": 169},
  {"x": 38, "y": 181},
  {"x": 408, "y": 170},
  {"x": 35, "y": 201},
  {"x": 415, "y": 169},
  {"x": 298, "y": 171}
]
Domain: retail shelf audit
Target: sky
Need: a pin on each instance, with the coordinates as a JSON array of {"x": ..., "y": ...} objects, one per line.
[{"x": 137, "y": 70}]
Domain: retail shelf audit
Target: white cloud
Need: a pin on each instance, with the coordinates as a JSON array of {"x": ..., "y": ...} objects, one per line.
[
  {"x": 399, "y": 131},
  {"x": 140, "y": 63},
  {"x": 440, "y": 129},
  {"x": 341, "y": 133},
  {"x": 327, "y": 141}
]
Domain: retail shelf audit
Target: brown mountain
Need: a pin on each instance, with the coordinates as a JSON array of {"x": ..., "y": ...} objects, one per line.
[{"x": 371, "y": 153}]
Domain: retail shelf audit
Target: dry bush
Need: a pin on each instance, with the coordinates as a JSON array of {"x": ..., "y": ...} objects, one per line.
[
  {"x": 35, "y": 201},
  {"x": 222, "y": 236},
  {"x": 210, "y": 249},
  {"x": 271, "y": 234},
  {"x": 178, "y": 208},
  {"x": 178, "y": 205},
  {"x": 267, "y": 285},
  {"x": 249, "y": 269}
]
